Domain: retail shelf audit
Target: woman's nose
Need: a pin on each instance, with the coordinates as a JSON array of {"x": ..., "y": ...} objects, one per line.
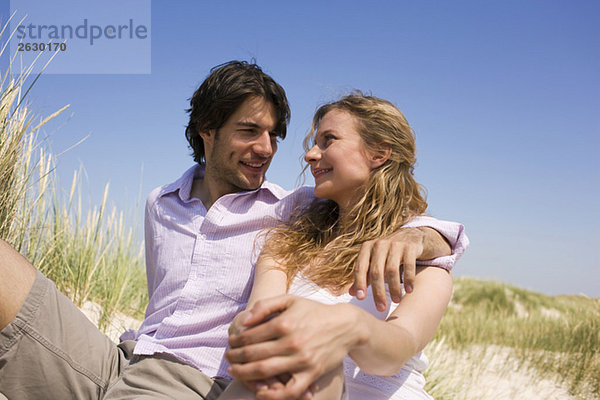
[{"x": 312, "y": 155}]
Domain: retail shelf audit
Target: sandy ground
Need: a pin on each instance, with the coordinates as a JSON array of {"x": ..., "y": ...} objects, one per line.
[
  {"x": 490, "y": 373},
  {"x": 118, "y": 324}
]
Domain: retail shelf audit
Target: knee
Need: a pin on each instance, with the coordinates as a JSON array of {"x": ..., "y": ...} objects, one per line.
[
  {"x": 13, "y": 263},
  {"x": 18, "y": 276}
]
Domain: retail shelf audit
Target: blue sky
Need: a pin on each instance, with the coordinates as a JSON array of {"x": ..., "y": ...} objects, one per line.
[{"x": 504, "y": 97}]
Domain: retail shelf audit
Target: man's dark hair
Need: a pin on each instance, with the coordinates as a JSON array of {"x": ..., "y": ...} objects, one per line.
[{"x": 223, "y": 91}]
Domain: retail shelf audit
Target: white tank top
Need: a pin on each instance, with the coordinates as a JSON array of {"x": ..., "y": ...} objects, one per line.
[{"x": 406, "y": 384}]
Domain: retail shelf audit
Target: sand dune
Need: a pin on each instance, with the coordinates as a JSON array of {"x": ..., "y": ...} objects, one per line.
[{"x": 490, "y": 372}]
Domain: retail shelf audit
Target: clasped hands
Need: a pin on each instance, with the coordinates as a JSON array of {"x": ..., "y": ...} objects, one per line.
[{"x": 283, "y": 344}]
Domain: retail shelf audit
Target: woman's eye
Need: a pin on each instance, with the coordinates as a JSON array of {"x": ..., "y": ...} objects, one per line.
[{"x": 327, "y": 139}]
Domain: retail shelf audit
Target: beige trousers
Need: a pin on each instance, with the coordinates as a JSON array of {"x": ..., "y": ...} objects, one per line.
[{"x": 52, "y": 351}]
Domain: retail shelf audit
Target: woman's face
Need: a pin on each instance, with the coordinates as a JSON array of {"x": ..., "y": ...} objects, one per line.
[{"x": 338, "y": 159}]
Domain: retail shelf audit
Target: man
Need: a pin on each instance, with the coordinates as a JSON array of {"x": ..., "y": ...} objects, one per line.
[{"x": 201, "y": 244}]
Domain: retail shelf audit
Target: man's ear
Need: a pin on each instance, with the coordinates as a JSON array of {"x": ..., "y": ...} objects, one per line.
[
  {"x": 379, "y": 157},
  {"x": 207, "y": 136}
]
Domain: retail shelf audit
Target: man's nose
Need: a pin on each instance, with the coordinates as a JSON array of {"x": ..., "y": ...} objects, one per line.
[{"x": 263, "y": 146}]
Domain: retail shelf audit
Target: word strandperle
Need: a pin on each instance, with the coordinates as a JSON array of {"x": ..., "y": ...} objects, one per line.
[{"x": 83, "y": 31}]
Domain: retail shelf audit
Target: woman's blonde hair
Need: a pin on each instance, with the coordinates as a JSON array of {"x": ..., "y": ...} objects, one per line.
[{"x": 321, "y": 244}]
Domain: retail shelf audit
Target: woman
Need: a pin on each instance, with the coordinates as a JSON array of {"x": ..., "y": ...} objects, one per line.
[{"x": 362, "y": 155}]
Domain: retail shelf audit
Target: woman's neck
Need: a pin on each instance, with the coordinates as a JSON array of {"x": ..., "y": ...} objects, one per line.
[{"x": 345, "y": 209}]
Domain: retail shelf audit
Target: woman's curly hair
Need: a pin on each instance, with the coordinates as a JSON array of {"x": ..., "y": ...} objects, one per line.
[{"x": 316, "y": 240}]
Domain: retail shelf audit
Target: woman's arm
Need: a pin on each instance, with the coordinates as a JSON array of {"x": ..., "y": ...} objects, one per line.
[
  {"x": 385, "y": 346},
  {"x": 269, "y": 281}
]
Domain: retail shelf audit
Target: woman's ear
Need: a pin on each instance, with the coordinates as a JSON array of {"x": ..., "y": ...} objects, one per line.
[{"x": 379, "y": 157}]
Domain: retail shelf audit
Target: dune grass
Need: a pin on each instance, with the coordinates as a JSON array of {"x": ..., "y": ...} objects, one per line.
[
  {"x": 552, "y": 337},
  {"x": 91, "y": 255}
]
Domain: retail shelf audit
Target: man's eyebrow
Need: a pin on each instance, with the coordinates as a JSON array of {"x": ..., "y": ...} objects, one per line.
[
  {"x": 247, "y": 124},
  {"x": 254, "y": 125}
]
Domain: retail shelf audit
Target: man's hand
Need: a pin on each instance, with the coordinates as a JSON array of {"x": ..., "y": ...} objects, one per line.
[
  {"x": 237, "y": 325},
  {"x": 297, "y": 340},
  {"x": 388, "y": 259}
]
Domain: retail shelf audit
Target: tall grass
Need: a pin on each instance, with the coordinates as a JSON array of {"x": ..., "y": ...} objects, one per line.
[
  {"x": 557, "y": 336},
  {"x": 90, "y": 255}
]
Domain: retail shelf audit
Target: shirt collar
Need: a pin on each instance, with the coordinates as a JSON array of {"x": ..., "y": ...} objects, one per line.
[{"x": 183, "y": 185}]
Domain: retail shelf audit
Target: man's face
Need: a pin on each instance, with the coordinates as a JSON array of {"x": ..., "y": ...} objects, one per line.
[{"x": 238, "y": 154}]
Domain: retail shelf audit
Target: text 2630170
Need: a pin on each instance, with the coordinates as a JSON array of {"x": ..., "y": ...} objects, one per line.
[{"x": 50, "y": 46}]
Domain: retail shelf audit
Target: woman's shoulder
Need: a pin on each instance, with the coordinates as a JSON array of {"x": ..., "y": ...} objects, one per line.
[
  {"x": 303, "y": 287},
  {"x": 294, "y": 200}
]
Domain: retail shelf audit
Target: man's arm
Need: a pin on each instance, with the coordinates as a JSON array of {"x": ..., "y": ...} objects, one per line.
[
  {"x": 393, "y": 259},
  {"x": 434, "y": 244},
  {"x": 150, "y": 257},
  {"x": 150, "y": 248}
]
